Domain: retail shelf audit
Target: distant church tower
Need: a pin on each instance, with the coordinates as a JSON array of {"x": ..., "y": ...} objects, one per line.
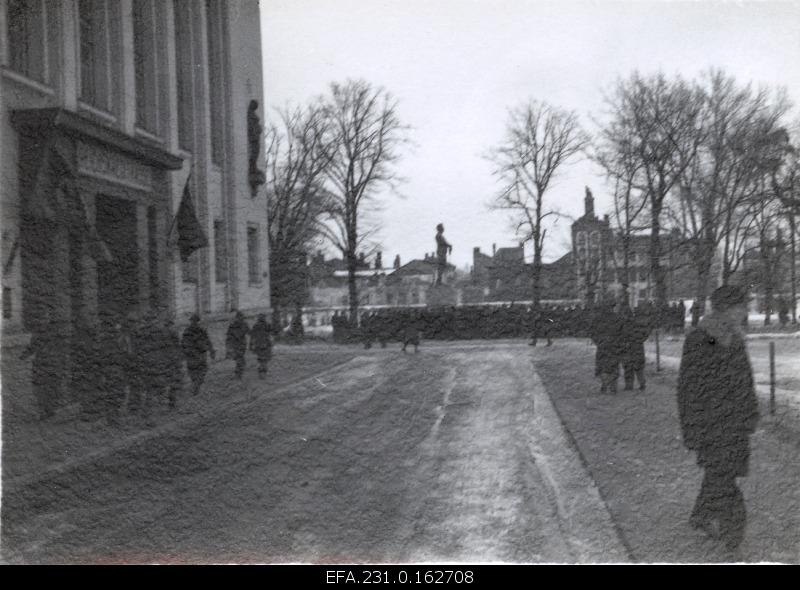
[{"x": 591, "y": 241}]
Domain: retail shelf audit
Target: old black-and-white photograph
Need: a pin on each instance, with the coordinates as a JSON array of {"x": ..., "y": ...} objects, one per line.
[{"x": 400, "y": 282}]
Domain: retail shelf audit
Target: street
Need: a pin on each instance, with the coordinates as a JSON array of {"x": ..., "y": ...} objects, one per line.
[{"x": 436, "y": 456}]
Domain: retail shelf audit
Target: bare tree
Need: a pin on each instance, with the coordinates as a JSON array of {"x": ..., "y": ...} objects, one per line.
[
  {"x": 365, "y": 140},
  {"x": 655, "y": 120},
  {"x": 297, "y": 158},
  {"x": 615, "y": 155},
  {"x": 767, "y": 223},
  {"x": 786, "y": 185},
  {"x": 540, "y": 140}
]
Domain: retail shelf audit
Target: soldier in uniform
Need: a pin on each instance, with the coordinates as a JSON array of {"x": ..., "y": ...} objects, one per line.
[
  {"x": 607, "y": 335},
  {"x": 718, "y": 412},
  {"x": 173, "y": 361},
  {"x": 196, "y": 345},
  {"x": 236, "y": 342},
  {"x": 411, "y": 330},
  {"x": 634, "y": 333},
  {"x": 148, "y": 363},
  {"x": 115, "y": 349},
  {"x": 261, "y": 344},
  {"x": 48, "y": 364}
]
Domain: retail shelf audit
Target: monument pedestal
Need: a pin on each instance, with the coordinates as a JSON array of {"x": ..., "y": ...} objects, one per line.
[{"x": 439, "y": 295}]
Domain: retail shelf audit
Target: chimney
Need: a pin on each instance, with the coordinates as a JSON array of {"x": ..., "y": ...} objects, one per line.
[
  {"x": 494, "y": 249},
  {"x": 588, "y": 203},
  {"x": 605, "y": 218},
  {"x": 378, "y": 261},
  {"x": 476, "y": 251},
  {"x": 397, "y": 261}
]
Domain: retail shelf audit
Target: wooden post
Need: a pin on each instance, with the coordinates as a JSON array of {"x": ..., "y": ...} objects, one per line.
[
  {"x": 772, "y": 378},
  {"x": 658, "y": 354}
]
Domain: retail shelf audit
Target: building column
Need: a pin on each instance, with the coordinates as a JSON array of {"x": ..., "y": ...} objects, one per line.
[
  {"x": 128, "y": 100},
  {"x": 68, "y": 55},
  {"x": 143, "y": 249}
]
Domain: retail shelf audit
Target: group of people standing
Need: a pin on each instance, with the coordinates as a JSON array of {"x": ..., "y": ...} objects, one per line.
[
  {"x": 619, "y": 336},
  {"x": 467, "y": 322},
  {"x": 260, "y": 336},
  {"x": 133, "y": 361}
]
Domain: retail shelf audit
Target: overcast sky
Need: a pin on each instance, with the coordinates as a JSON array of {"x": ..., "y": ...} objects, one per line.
[{"x": 456, "y": 66}]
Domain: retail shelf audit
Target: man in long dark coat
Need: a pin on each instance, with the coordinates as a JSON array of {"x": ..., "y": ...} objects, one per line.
[
  {"x": 236, "y": 342},
  {"x": 147, "y": 363},
  {"x": 607, "y": 335},
  {"x": 411, "y": 329},
  {"x": 634, "y": 334},
  {"x": 261, "y": 343},
  {"x": 48, "y": 364},
  {"x": 718, "y": 412},
  {"x": 196, "y": 346}
]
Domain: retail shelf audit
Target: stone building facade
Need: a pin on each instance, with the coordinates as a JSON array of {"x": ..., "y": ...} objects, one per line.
[{"x": 109, "y": 109}]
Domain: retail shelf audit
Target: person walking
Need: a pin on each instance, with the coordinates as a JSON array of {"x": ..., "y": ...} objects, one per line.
[
  {"x": 196, "y": 346},
  {"x": 236, "y": 342},
  {"x": 718, "y": 412},
  {"x": 48, "y": 363},
  {"x": 173, "y": 361},
  {"x": 261, "y": 344},
  {"x": 783, "y": 311},
  {"x": 147, "y": 363},
  {"x": 411, "y": 330},
  {"x": 634, "y": 334}
]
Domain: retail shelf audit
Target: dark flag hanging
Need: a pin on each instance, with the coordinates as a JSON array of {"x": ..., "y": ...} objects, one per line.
[{"x": 190, "y": 234}]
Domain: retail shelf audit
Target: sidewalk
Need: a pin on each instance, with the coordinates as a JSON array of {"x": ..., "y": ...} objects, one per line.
[
  {"x": 33, "y": 448},
  {"x": 631, "y": 444}
]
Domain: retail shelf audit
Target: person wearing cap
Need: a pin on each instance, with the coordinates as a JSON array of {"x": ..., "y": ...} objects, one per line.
[
  {"x": 196, "y": 346},
  {"x": 718, "y": 412}
]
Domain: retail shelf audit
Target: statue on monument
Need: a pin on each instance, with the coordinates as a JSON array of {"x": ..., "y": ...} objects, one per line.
[
  {"x": 443, "y": 248},
  {"x": 255, "y": 130}
]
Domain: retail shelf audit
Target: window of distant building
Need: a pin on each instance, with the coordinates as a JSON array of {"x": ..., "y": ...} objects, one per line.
[
  {"x": 99, "y": 31},
  {"x": 581, "y": 244},
  {"x": 220, "y": 252},
  {"x": 216, "y": 80},
  {"x": 148, "y": 55},
  {"x": 253, "y": 258},
  {"x": 26, "y": 26}
]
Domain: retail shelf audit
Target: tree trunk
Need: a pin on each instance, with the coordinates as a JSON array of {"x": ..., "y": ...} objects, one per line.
[
  {"x": 352, "y": 288},
  {"x": 536, "y": 278},
  {"x": 656, "y": 270},
  {"x": 626, "y": 268},
  {"x": 792, "y": 271},
  {"x": 701, "y": 291}
]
